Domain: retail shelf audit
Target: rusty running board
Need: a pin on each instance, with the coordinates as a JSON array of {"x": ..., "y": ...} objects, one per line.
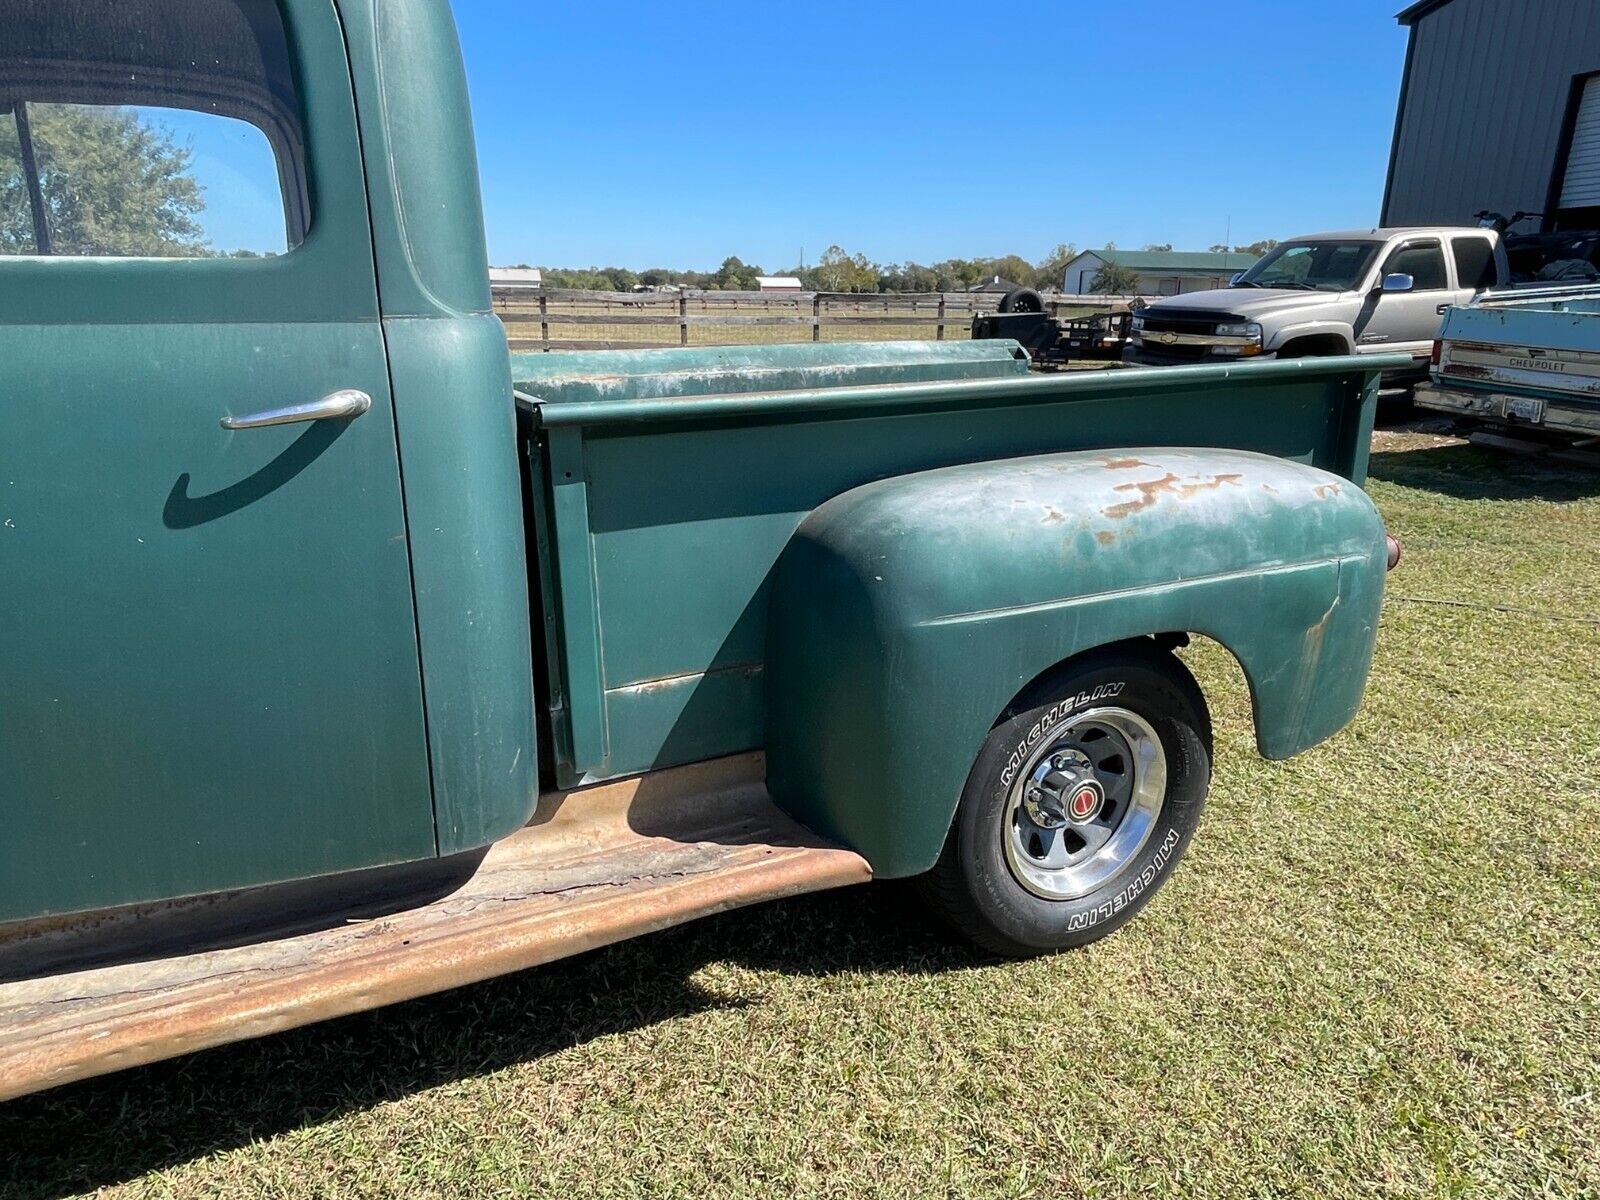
[{"x": 595, "y": 866}]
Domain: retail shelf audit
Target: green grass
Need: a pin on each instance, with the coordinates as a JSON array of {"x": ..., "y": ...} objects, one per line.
[{"x": 1376, "y": 974}]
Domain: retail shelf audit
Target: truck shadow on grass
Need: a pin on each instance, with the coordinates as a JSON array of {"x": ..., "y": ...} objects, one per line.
[
  {"x": 115, "y": 1129},
  {"x": 1466, "y": 472}
]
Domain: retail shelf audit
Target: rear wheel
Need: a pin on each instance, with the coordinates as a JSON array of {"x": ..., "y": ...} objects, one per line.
[{"x": 1080, "y": 804}]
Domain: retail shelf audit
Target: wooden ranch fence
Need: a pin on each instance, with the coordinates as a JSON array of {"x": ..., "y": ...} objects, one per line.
[{"x": 569, "y": 319}]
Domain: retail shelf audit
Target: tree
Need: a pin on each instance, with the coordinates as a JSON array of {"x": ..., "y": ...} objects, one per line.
[
  {"x": 736, "y": 276},
  {"x": 1051, "y": 272},
  {"x": 837, "y": 271},
  {"x": 910, "y": 277},
  {"x": 113, "y": 183},
  {"x": 1013, "y": 267},
  {"x": 1159, "y": 246},
  {"x": 1258, "y": 248},
  {"x": 958, "y": 274},
  {"x": 1114, "y": 280}
]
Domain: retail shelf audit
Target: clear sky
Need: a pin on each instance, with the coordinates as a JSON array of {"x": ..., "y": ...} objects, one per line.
[{"x": 646, "y": 134}]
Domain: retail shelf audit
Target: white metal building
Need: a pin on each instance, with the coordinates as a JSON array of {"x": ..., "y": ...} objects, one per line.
[
  {"x": 515, "y": 277},
  {"x": 1161, "y": 272}
]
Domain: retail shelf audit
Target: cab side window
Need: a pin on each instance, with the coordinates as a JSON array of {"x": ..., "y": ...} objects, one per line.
[
  {"x": 1474, "y": 262},
  {"x": 149, "y": 129},
  {"x": 1424, "y": 262}
]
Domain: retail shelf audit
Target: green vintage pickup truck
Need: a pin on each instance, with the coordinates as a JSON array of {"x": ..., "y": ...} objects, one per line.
[{"x": 348, "y": 658}]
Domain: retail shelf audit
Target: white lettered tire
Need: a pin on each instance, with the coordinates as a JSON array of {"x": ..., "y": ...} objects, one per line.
[{"x": 1080, "y": 804}]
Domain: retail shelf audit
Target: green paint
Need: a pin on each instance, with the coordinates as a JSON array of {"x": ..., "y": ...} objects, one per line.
[
  {"x": 211, "y": 676},
  {"x": 240, "y": 658},
  {"x": 669, "y": 514},
  {"x": 908, "y": 613}
]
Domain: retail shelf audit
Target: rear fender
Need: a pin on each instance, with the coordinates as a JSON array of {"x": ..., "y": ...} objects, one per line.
[{"x": 908, "y": 613}]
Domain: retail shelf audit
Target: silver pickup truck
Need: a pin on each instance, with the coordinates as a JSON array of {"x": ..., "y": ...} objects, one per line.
[{"x": 1375, "y": 291}]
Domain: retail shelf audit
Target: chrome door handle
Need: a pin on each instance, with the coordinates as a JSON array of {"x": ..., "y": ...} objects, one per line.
[{"x": 335, "y": 406}]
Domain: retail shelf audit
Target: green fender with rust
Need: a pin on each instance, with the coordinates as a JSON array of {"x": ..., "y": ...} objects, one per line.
[{"x": 908, "y": 613}]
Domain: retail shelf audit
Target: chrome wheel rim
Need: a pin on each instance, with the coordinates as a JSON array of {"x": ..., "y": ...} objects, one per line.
[{"x": 1084, "y": 804}]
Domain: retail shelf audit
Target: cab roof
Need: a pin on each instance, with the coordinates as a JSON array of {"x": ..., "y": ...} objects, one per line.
[{"x": 1385, "y": 233}]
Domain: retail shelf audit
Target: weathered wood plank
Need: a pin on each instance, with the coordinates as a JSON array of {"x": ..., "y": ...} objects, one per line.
[{"x": 594, "y": 867}]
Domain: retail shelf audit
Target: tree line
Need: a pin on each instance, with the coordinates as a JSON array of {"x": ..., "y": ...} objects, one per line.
[{"x": 838, "y": 270}]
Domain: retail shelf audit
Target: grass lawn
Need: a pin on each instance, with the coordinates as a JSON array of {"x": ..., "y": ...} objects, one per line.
[{"x": 1376, "y": 974}]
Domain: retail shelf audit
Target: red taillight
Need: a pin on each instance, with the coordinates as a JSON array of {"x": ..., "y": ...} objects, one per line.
[
  {"x": 1396, "y": 552},
  {"x": 1438, "y": 349}
]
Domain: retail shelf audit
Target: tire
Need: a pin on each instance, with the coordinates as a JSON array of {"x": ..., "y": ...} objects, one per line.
[
  {"x": 1309, "y": 349},
  {"x": 1021, "y": 300},
  {"x": 1118, "y": 749}
]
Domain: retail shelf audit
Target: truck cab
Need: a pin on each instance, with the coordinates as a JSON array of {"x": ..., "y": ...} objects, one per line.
[
  {"x": 1376, "y": 291},
  {"x": 322, "y": 608}
]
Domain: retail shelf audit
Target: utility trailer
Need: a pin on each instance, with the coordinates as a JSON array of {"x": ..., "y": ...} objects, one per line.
[
  {"x": 1053, "y": 342},
  {"x": 351, "y": 659}
]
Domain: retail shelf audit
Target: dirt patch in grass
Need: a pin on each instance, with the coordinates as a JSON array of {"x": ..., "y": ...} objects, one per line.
[{"x": 1377, "y": 974}]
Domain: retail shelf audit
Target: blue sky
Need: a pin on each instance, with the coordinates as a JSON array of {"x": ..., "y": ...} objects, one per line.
[{"x": 655, "y": 134}]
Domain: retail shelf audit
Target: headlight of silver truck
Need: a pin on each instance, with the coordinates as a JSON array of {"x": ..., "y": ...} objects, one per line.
[{"x": 1239, "y": 329}]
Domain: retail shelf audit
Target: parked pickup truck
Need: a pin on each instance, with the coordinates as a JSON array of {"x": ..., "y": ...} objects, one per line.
[
  {"x": 1375, "y": 291},
  {"x": 1526, "y": 360},
  {"x": 349, "y": 658}
]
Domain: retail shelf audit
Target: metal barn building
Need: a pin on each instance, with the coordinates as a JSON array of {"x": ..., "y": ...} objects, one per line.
[{"x": 1499, "y": 110}]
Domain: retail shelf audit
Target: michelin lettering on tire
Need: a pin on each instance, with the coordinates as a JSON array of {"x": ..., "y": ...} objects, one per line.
[
  {"x": 1023, "y": 871},
  {"x": 1057, "y": 713},
  {"x": 1135, "y": 888}
]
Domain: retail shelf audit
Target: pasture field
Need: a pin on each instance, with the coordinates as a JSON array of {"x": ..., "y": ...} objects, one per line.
[
  {"x": 1377, "y": 974},
  {"x": 609, "y": 320}
]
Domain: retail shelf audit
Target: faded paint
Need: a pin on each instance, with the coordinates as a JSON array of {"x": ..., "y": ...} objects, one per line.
[
  {"x": 868, "y": 742},
  {"x": 1168, "y": 485},
  {"x": 1124, "y": 464}
]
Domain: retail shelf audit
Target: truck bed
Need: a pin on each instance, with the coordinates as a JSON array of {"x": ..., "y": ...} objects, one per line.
[
  {"x": 1528, "y": 359},
  {"x": 665, "y": 484},
  {"x": 595, "y": 866}
]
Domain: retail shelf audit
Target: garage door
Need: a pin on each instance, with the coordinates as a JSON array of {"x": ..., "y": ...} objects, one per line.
[{"x": 1581, "y": 186}]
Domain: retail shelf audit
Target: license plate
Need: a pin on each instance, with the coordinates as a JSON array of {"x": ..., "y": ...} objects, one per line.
[{"x": 1525, "y": 408}]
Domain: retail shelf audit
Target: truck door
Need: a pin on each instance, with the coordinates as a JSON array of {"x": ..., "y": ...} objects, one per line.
[
  {"x": 1409, "y": 321},
  {"x": 209, "y": 676}
]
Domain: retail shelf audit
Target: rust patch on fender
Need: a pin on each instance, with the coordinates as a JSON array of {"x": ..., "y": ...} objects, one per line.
[
  {"x": 1152, "y": 490},
  {"x": 1105, "y": 537},
  {"x": 1053, "y": 515},
  {"x": 1327, "y": 491},
  {"x": 1125, "y": 464}
]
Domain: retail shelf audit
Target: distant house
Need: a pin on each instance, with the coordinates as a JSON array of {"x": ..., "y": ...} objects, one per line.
[
  {"x": 1161, "y": 272},
  {"x": 778, "y": 283},
  {"x": 998, "y": 284},
  {"x": 515, "y": 277}
]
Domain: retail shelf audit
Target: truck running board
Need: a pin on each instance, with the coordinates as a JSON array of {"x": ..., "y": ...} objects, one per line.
[{"x": 596, "y": 865}]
